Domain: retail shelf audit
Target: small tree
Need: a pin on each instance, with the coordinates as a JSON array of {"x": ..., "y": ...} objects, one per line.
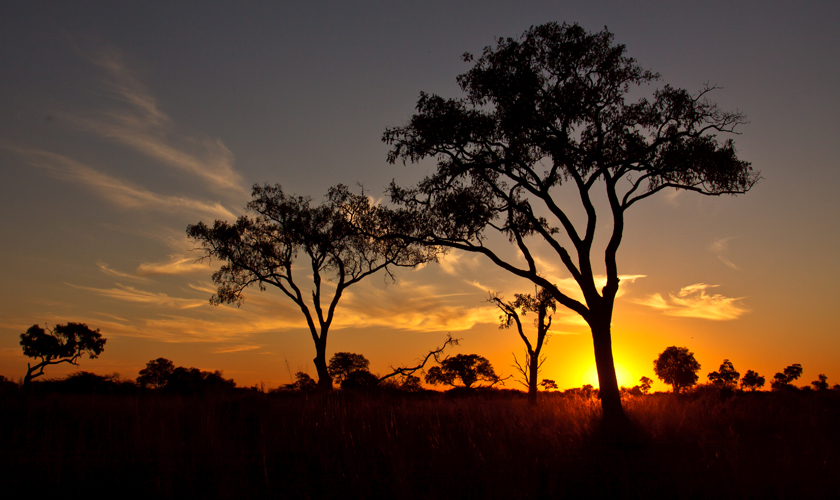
[
  {"x": 783, "y": 380},
  {"x": 410, "y": 383},
  {"x": 821, "y": 384},
  {"x": 726, "y": 376},
  {"x": 62, "y": 344},
  {"x": 542, "y": 303},
  {"x": 463, "y": 369},
  {"x": 752, "y": 381},
  {"x": 548, "y": 384},
  {"x": 342, "y": 364},
  {"x": 303, "y": 382},
  {"x": 156, "y": 373},
  {"x": 676, "y": 367},
  {"x": 359, "y": 380},
  {"x": 644, "y": 384}
]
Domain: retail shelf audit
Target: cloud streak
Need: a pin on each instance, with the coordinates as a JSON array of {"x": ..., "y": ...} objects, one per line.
[
  {"x": 131, "y": 294},
  {"x": 143, "y": 127},
  {"x": 719, "y": 248},
  {"x": 693, "y": 302},
  {"x": 120, "y": 193}
]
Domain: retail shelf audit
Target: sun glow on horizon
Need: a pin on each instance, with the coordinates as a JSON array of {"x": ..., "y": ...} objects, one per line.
[{"x": 625, "y": 378}]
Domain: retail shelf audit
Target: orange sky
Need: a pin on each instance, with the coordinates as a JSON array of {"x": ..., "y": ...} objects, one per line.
[{"x": 124, "y": 125}]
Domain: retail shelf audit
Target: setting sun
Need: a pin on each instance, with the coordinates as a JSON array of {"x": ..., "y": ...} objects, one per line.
[{"x": 625, "y": 378}]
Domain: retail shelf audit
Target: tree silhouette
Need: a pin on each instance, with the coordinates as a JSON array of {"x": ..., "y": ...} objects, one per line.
[
  {"x": 644, "y": 384},
  {"x": 62, "y": 344},
  {"x": 156, "y": 373},
  {"x": 783, "y": 380},
  {"x": 547, "y": 112},
  {"x": 303, "y": 382},
  {"x": 340, "y": 239},
  {"x": 410, "y": 383},
  {"x": 190, "y": 381},
  {"x": 548, "y": 384},
  {"x": 463, "y": 369},
  {"x": 752, "y": 381},
  {"x": 676, "y": 367},
  {"x": 821, "y": 384},
  {"x": 726, "y": 376},
  {"x": 541, "y": 304},
  {"x": 343, "y": 364},
  {"x": 360, "y": 379}
]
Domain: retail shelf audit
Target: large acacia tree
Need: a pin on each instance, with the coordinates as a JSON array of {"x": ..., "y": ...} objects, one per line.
[
  {"x": 546, "y": 124},
  {"x": 286, "y": 241}
]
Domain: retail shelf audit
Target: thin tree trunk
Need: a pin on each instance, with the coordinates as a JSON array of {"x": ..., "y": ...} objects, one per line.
[{"x": 532, "y": 378}]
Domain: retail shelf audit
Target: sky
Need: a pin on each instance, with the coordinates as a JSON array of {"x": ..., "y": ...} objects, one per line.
[{"x": 125, "y": 122}]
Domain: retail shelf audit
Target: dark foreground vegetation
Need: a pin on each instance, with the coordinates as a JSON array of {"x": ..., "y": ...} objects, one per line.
[{"x": 473, "y": 444}]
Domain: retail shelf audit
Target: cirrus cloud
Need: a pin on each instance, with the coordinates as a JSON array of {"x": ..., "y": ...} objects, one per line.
[{"x": 694, "y": 302}]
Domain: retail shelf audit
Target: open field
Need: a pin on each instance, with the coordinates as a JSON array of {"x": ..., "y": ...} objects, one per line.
[{"x": 253, "y": 445}]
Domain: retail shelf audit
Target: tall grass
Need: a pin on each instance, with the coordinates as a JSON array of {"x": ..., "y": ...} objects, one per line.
[{"x": 251, "y": 445}]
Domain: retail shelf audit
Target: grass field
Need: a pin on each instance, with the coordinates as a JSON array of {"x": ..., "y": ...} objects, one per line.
[{"x": 428, "y": 446}]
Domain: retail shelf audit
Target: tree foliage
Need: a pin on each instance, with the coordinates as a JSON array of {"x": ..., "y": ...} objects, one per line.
[
  {"x": 303, "y": 382},
  {"x": 545, "y": 122},
  {"x": 752, "y": 381},
  {"x": 156, "y": 373},
  {"x": 63, "y": 344},
  {"x": 676, "y": 367},
  {"x": 286, "y": 239},
  {"x": 463, "y": 369},
  {"x": 342, "y": 364},
  {"x": 726, "y": 376},
  {"x": 644, "y": 384},
  {"x": 783, "y": 380},
  {"x": 821, "y": 384}
]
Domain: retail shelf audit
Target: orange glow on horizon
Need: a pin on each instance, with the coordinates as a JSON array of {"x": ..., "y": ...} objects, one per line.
[{"x": 625, "y": 378}]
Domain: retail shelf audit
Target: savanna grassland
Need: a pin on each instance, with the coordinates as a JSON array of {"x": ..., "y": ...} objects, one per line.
[{"x": 247, "y": 444}]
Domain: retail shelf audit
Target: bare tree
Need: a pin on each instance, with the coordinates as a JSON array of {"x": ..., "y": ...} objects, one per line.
[{"x": 541, "y": 303}]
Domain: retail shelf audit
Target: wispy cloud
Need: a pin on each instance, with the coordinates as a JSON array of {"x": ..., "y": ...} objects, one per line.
[
  {"x": 131, "y": 294},
  {"x": 175, "y": 265},
  {"x": 118, "y": 192},
  {"x": 693, "y": 302},
  {"x": 142, "y": 126},
  {"x": 105, "y": 268},
  {"x": 719, "y": 248},
  {"x": 413, "y": 306},
  {"x": 236, "y": 348}
]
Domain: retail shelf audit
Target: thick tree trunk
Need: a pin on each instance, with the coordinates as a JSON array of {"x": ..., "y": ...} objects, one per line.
[
  {"x": 614, "y": 419},
  {"x": 325, "y": 381},
  {"x": 532, "y": 378}
]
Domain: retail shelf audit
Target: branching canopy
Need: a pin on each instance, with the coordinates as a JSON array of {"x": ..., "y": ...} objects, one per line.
[
  {"x": 546, "y": 110},
  {"x": 63, "y": 344}
]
